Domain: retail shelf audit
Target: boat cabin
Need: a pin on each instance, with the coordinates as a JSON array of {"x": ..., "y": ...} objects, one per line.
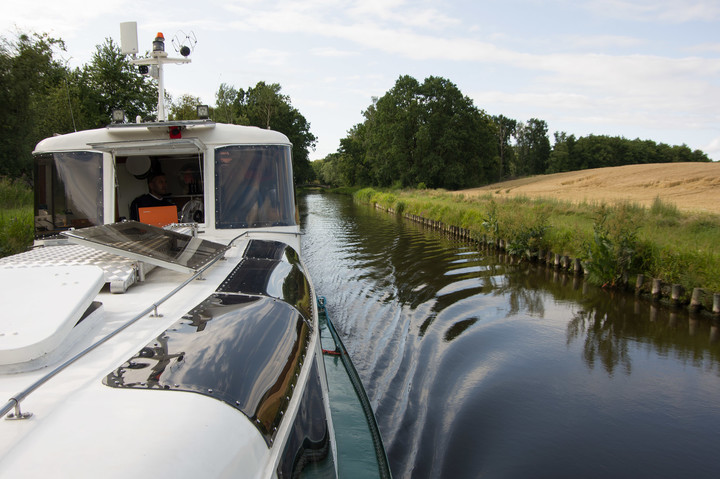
[{"x": 223, "y": 177}]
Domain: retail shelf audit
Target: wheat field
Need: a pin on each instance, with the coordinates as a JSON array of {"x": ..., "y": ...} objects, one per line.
[{"x": 691, "y": 187}]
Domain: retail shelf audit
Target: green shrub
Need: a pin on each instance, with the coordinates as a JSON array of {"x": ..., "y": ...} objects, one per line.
[{"x": 611, "y": 253}]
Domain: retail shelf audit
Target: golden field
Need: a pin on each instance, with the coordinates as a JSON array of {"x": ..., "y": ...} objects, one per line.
[{"x": 688, "y": 186}]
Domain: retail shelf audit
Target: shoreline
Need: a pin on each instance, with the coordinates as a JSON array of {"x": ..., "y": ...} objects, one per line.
[{"x": 558, "y": 235}]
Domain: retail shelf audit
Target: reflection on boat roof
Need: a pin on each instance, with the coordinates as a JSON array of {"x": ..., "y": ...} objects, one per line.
[{"x": 153, "y": 245}]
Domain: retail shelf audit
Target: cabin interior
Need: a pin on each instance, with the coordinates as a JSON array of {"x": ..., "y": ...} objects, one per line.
[{"x": 184, "y": 178}]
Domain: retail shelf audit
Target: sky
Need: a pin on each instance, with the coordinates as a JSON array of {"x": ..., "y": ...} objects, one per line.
[{"x": 646, "y": 69}]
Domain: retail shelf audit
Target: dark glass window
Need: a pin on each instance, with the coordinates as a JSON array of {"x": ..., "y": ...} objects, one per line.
[
  {"x": 68, "y": 191},
  {"x": 253, "y": 187}
]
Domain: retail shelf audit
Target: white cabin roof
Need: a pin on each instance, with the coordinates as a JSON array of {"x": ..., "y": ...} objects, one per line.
[{"x": 208, "y": 133}]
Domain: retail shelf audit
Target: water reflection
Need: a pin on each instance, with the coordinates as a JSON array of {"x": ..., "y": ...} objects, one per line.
[{"x": 476, "y": 365}]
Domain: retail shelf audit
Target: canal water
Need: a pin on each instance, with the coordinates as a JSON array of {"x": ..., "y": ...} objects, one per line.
[{"x": 480, "y": 368}]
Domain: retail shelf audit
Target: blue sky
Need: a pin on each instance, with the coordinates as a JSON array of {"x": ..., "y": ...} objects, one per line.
[{"x": 633, "y": 68}]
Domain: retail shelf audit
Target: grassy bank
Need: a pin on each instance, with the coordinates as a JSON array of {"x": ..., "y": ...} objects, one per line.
[
  {"x": 16, "y": 217},
  {"x": 614, "y": 242}
]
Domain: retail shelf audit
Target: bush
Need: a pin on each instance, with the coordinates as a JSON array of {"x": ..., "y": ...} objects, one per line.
[{"x": 612, "y": 251}]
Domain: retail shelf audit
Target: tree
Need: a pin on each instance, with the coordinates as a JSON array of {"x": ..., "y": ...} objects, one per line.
[
  {"x": 533, "y": 148},
  {"x": 352, "y": 161},
  {"x": 264, "y": 106},
  {"x": 185, "y": 108},
  {"x": 504, "y": 130},
  {"x": 28, "y": 75},
  {"x": 224, "y": 100},
  {"x": 454, "y": 139},
  {"x": 562, "y": 156},
  {"x": 109, "y": 81},
  {"x": 392, "y": 129},
  {"x": 427, "y": 133}
]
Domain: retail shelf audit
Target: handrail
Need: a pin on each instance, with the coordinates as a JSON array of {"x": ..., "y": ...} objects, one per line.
[
  {"x": 247, "y": 232},
  {"x": 14, "y": 402}
]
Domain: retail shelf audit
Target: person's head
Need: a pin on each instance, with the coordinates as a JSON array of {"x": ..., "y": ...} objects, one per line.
[{"x": 157, "y": 184}]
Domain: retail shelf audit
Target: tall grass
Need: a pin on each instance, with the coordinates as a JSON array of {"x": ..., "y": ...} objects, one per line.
[
  {"x": 16, "y": 217},
  {"x": 659, "y": 241}
]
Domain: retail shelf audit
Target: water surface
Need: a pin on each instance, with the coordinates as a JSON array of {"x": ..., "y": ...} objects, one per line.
[{"x": 480, "y": 368}]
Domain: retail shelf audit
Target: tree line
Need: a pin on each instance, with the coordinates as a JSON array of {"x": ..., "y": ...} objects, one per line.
[
  {"x": 41, "y": 96},
  {"x": 431, "y": 135}
]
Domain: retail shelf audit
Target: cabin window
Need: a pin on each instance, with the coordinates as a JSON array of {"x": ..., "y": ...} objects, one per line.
[
  {"x": 68, "y": 191},
  {"x": 253, "y": 187}
]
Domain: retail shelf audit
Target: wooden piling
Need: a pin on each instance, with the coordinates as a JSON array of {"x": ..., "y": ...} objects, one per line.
[
  {"x": 565, "y": 262},
  {"x": 696, "y": 300},
  {"x": 577, "y": 267},
  {"x": 656, "y": 288},
  {"x": 675, "y": 293},
  {"x": 639, "y": 283}
]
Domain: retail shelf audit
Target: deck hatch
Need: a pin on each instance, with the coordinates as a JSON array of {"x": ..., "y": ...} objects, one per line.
[{"x": 242, "y": 350}]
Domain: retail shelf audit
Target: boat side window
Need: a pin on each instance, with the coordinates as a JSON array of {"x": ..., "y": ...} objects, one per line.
[
  {"x": 253, "y": 187},
  {"x": 68, "y": 191}
]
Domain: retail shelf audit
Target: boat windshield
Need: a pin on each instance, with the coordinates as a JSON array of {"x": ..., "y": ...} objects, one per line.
[
  {"x": 68, "y": 191},
  {"x": 253, "y": 187}
]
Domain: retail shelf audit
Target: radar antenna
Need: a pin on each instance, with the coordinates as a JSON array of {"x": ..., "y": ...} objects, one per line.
[{"x": 158, "y": 57}]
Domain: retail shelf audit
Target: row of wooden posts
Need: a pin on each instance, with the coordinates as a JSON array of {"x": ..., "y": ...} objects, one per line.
[{"x": 700, "y": 299}]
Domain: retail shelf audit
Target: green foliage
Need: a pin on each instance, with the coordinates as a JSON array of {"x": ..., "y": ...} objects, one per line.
[
  {"x": 612, "y": 250},
  {"x": 427, "y": 133},
  {"x": 505, "y": 128},
  {"x": 28, "y": 75},
  {"x": 664, "y": 213},
  {"x": 597, "y": 151},
  {"x": 264, "y": 106},
  {"x": 39, "y": 96},
  {"x": 109, "y": 81},
  {"x": 16, "y": 231},
  {"x": 528, "y": 234},
  {"x": 16, "y": 217},
  {"x": 365, "y": 195},
  {"x": 491, "y": 222},
  {"x": 185, "y": 108},
  {"x": 621, "y": 241},
  {"x": 327, "y": 171},
  {"x": 532, "y": 150}
]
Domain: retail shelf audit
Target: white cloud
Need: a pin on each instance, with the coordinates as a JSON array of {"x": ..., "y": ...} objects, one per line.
[
  {"x": 265, "y": 56},
  {"x": 713, "y": 148},
  {"x": 332, "y": 52},
  {"x": 667, "y": 11}
]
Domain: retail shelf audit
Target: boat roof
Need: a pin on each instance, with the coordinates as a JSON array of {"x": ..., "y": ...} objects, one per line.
[{"x": 139, "y": 138}]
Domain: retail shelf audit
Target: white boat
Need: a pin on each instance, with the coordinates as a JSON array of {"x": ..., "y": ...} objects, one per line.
[{"x": 191, "y": 347}]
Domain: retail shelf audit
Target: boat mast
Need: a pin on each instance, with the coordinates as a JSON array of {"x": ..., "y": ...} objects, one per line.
[{"x": 158, "y": 58}]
